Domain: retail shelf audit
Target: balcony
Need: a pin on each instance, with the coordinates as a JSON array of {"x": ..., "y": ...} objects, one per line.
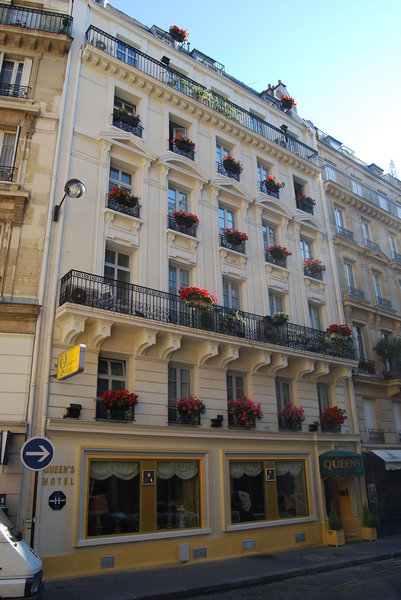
[
  {"x": 99, "y": 292},
  {"x": 31, "y": 18},
  {"x": 383, "y": 302},
  {"x": 397, "y": 256},
  {"x": 165, "y": 74},
  {"x": 14, "y": 91},
  {"x": 371, "y": 245},
  {"x": 135, "y": 130},
  {"x": 174, "y": 418},
  {"x": 285, "y": 425},
  {"x": 172, "y": 224},
  {"x": 360, "y": 294},
  {"x": 236, "y": 247},
  {"x": 314, "y": 274},
  {"x": 6, "y": 173},
  {"x": 366, "y": 366},
  {"x": 132, "y": 211},
  {"x": 363, "y": 191},
  {"x": 345, "y": 232},
  {"x": 376, "y": 436},
  {"x": 280, "y": 261},
  {"x": 263, "y": 188},
  {"x": 304, "y": 205},
  {"x": 223, "y": 171},
  {"x": 187, "y": 153}
]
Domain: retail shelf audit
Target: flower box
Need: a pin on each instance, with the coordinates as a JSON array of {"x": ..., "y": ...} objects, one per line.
[
  {"x": 335, "y": 537},
  {"x": 271, "y": 184},
  {"x": 234, "y": 237},
  {"x": 339, "y": 331},
  {"x": 280, "y": 318},
  {"x": 185, "y": 219},
  {"x": 369, "y": 533},
  {"x": 245, "y": 411},
  {"x": 179, "y": 35},
  {"x": 332, "y": 418},
  {"x": 231, "y": 165},
  {"x": 189, "y": 410},
  {"x": 287, "y": 102},
  {"x": 120, "y": 114},
  {"x": 183, "y": 143},
  {"x": 198, "y": 298},
  {"x": 313, "y": 267},
  {"x": 122, "y": 196}
]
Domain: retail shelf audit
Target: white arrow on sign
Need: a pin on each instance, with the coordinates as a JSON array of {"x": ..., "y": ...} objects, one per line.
[{"x": 44, "y": 454}]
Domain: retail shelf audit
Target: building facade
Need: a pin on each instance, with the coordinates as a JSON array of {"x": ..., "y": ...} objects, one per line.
[
  {"x": 365, "y": 218},
  {"x": 33, "y": 57}
]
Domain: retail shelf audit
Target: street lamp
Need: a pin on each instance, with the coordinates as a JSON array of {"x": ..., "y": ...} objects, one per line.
[{"x": 74, "y": 188}]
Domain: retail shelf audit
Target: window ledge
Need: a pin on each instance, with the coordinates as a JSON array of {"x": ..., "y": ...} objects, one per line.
[
  {"x": 264, "y": 524},
  {"x": 141, "y": 537}
]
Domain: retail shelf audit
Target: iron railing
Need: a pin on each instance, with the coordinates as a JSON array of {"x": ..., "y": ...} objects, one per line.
[
  {"x": 345, "y": 232},
  {"x": 134, "y": 129},
  {"x": 280, "y": 261},
  {"x": 195, "y": 90},
  {"x": 355, "y": 292},
  {"x": 32, "y": 18},
  {"x": 371, "y": 245},
  {"x": 6, "y": 173},
  {"x": 172, "y": 224},
  {"x": 304, "y": 205},
  {"x": 367, "y": 366},
  {"x": 263, "y": 188},
  {"x": 359, "y": 189},
  {"x": 188, "y": 153},
  {"x": 14, "y": 91},
  {"x": 314, "y": 274},
  {"x": 376, "y": 436},
  {"x": 383, "y": 302},
  {"x": 127, "y": 298},
  {"x": 175, "y": 418},
  {"x": 226, "y": 244},
  {"x": 132, "y": 211},
  {"x": 223, "y": 171}
]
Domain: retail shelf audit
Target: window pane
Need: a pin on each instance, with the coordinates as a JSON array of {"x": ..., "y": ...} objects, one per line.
[
  {"x": 247, "y": 492},
  {"x": 102, "y": 366},
  {"x": 230, "y": 391},
  {"x": 109, "y": 272},
  {"x": 182, "y": 202},
  {"x": 113, "y": 506},
  {"x": 178, "y": 501},
  {"x": 239, "y": 387},
  {"x": 291, "y": 489},
  {"x": 117, "y": 384},
  {"x": 123, "y": 260},
  {"x": 185, "y": 383},
  {"x": 110, "y": 256},
  {"x": 126, "y": 178},
  {"x": 117, "y": 368}
]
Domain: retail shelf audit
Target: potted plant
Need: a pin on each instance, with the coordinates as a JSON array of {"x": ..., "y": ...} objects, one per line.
[
  {"x": 271, "y": 184},
  {"x": 185, "y": 219},
  {"x": 339, "y": 331},
  {"x": 369, "y": 524},
  {"x": 287, "y": 102},
  {"x": 121, "y": 196},
  {"x": 119, "y": 404},
  {"x": 190, "y": 409},
  {"x": 194, "y": 296},
  {"x": 313, "y": 266},
  {"x": 121, "y": 114},
  {"x": 280, "y": 318},
  {"x": 278, "y": 251},
  {"x": 231, "y": 165},
  {"x": 179, "y": 35},
  {"x": 231, "y": 321},
  {"x": 305, "y": 202},
  {"x": 233, "y": 236},
  {"x": 245, "y": 411},
  {"x": 389, "y": 349},
  {"x": 332, "y": 418},
  {"x": 292, "y": 416},
  {"x": 183, "y": 143},
  {"x": 335, "y": 531}
]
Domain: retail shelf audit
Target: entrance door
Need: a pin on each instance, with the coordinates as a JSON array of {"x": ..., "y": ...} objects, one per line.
[{"x": 337, "y": 491}]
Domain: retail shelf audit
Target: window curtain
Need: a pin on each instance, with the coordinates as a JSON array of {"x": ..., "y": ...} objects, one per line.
[
  {"x": 291, "y": 467},
  {"x": 100, "y": 470},
  {"x": 252, "y": 469},
  {"x": 183, "y": 470}
]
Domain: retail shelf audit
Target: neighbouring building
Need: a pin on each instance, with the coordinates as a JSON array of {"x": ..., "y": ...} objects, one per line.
[
  {"x": 34, "y": 48},
  {"x": 365, "y": 217}
]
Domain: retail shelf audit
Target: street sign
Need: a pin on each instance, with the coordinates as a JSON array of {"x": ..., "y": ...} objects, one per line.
[
  {"x": 57, "y": 500},
  {"x": 37, "y": 453},
  {"x": 71, "y": 362}
]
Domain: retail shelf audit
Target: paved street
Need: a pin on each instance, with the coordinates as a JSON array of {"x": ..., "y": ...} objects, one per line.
[{"x": 376, "y": 581}]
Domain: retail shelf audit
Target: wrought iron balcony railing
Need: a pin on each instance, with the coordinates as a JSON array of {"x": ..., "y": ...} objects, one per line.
[
  {"x": 397, "y": 256},
  {"x": 359, "y": 189},
  {"x": 263, "y": 188},
  {"x": 6, "y": 173},
  {"x": 134, "y": 129},
  {"x": 376, "y": 436},
  {"x": 188, "y": 153},
  {"x": 127, "y": 298},
  {"x": 223, "y": 171},
  {"x": 383, "y": 302},
  {"x": 280, "y": 261},
  {"x": 305, "y": 205},
  {"x": 172, "y": 224},
  {"x": 174, "y": 417},
  {"x": 367, "y": 366},
  {"x": 371, "y": 245},
  {"x": 189, "y": 87},
  {"x": 132, "y": 211},
  {"x": 345, "y": 232},
  {"x": 237, "y": 247},
  {"x": 14, "y": 91},
  {"x": 31, "y": 18},
  {"x": 355, "y": 292},
  {"x": 314, "y": 274}
]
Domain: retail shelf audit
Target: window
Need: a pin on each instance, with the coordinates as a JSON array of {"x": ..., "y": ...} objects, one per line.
[
  {"x": 269, "y": 235},
  {"x": 178, "y": 278},
  {"x": 7, "y": 149},
  {"x": 349, "y": 276},
  {"x": 126, "y": 53},
  {"x": 179, "y": 383},
  {"x": 178, "y": 495},
  {"x": 175, "y": 129},
  {"x": 298, "y": 189},
  {"x": 177, "y": 200},
  {"x": 119, "y": 178},
  {"x": 263, "y": 173},
  {"x": 247, "y": 493},
  {"x": 221, "y": 152},
  {"x": 339, "y": 219},
  {"x": 235, "y": 386},
  {"x": 256, "y": 123},
  {"x": 116, "y": 265},
  {"x": 359, "y": 344},
  {"x": 306, "y": 249},
  {"x": 393, "y": 245},
  {"x": 323, "y": 396},
  {"x": 231, "y": 294},
  {"x": 111, "y": 375},
  {"x": 122, "y": 104},
  {"x": 283, "y": 393},
  {"x": 226, "y": 218},
  {"x": 11, "y": 72},
  {"x": 377, "y": 285},
  {"x": 369, "y": 412},
  {"x": 275, "y": 302},
  {"x": 365, "y": 230},
  {"x": 397, "y": 418},
  {"x": 292, "y": 494},
  {"x": 314, "y": 315}
]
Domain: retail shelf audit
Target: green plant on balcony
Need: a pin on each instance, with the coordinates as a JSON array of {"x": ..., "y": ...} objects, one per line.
[
  {"x": 389, "y": 349},
  {"x": 231, "y": 321},
  {"x": 232, "y": 165},
  {"x": 272, "y": 185},
  {"x": 280, "y": 318},
  {"x": 233, "y": 236},
  {"x": 121, "y": 114},
  {"x": 246, "y": 411}
]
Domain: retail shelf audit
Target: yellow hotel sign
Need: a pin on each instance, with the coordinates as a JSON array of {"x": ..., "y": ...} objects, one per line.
[{"x": 71, "y": 362}]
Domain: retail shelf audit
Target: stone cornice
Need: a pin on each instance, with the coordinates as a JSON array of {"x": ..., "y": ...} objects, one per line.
[{"x": 22, "y": 39}]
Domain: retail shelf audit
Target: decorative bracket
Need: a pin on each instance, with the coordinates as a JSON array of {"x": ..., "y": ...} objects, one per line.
[
  {"x": 143, "y": 341},
  {"x": 97, "y": 333},
  {"x": 70, "y": 327},
  {"x": 169, "y": 344},
  {"x": 227, "y": 354},
  {"x": 260, "y": 359},
  {"x": 206, "y": 351},
  {"x": 278, "y": 362}
]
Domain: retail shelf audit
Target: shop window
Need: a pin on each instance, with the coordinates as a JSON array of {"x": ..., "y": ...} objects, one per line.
[
  {"x": 178, "y": 495},
  {"x": 247, "y": 495},
  {"x": 292, "y": 496}
]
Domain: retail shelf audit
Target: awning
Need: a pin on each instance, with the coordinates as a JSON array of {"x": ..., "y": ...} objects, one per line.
[
  {"x": 339, "y": 463},
  {"x": 392, "y": 458}
]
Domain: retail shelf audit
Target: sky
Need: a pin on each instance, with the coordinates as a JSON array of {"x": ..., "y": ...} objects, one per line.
[{"x": 340, "y": 61}]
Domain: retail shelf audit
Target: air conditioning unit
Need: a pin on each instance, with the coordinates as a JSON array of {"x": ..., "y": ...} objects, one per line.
[{"x": 100, "y": 44}]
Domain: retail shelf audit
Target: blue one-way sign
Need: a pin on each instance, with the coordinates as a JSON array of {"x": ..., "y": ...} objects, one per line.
[{"x": 37, "y": 453}]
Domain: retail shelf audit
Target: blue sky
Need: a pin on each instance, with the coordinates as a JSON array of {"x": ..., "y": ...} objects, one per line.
[{"x": 341, "y": 61}]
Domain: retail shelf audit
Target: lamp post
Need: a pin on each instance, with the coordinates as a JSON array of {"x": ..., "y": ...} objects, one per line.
[{"x": 74, "y": 188}]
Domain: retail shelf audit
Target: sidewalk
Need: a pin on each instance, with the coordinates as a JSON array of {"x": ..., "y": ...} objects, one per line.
[{"x": 218, "y": 576}]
